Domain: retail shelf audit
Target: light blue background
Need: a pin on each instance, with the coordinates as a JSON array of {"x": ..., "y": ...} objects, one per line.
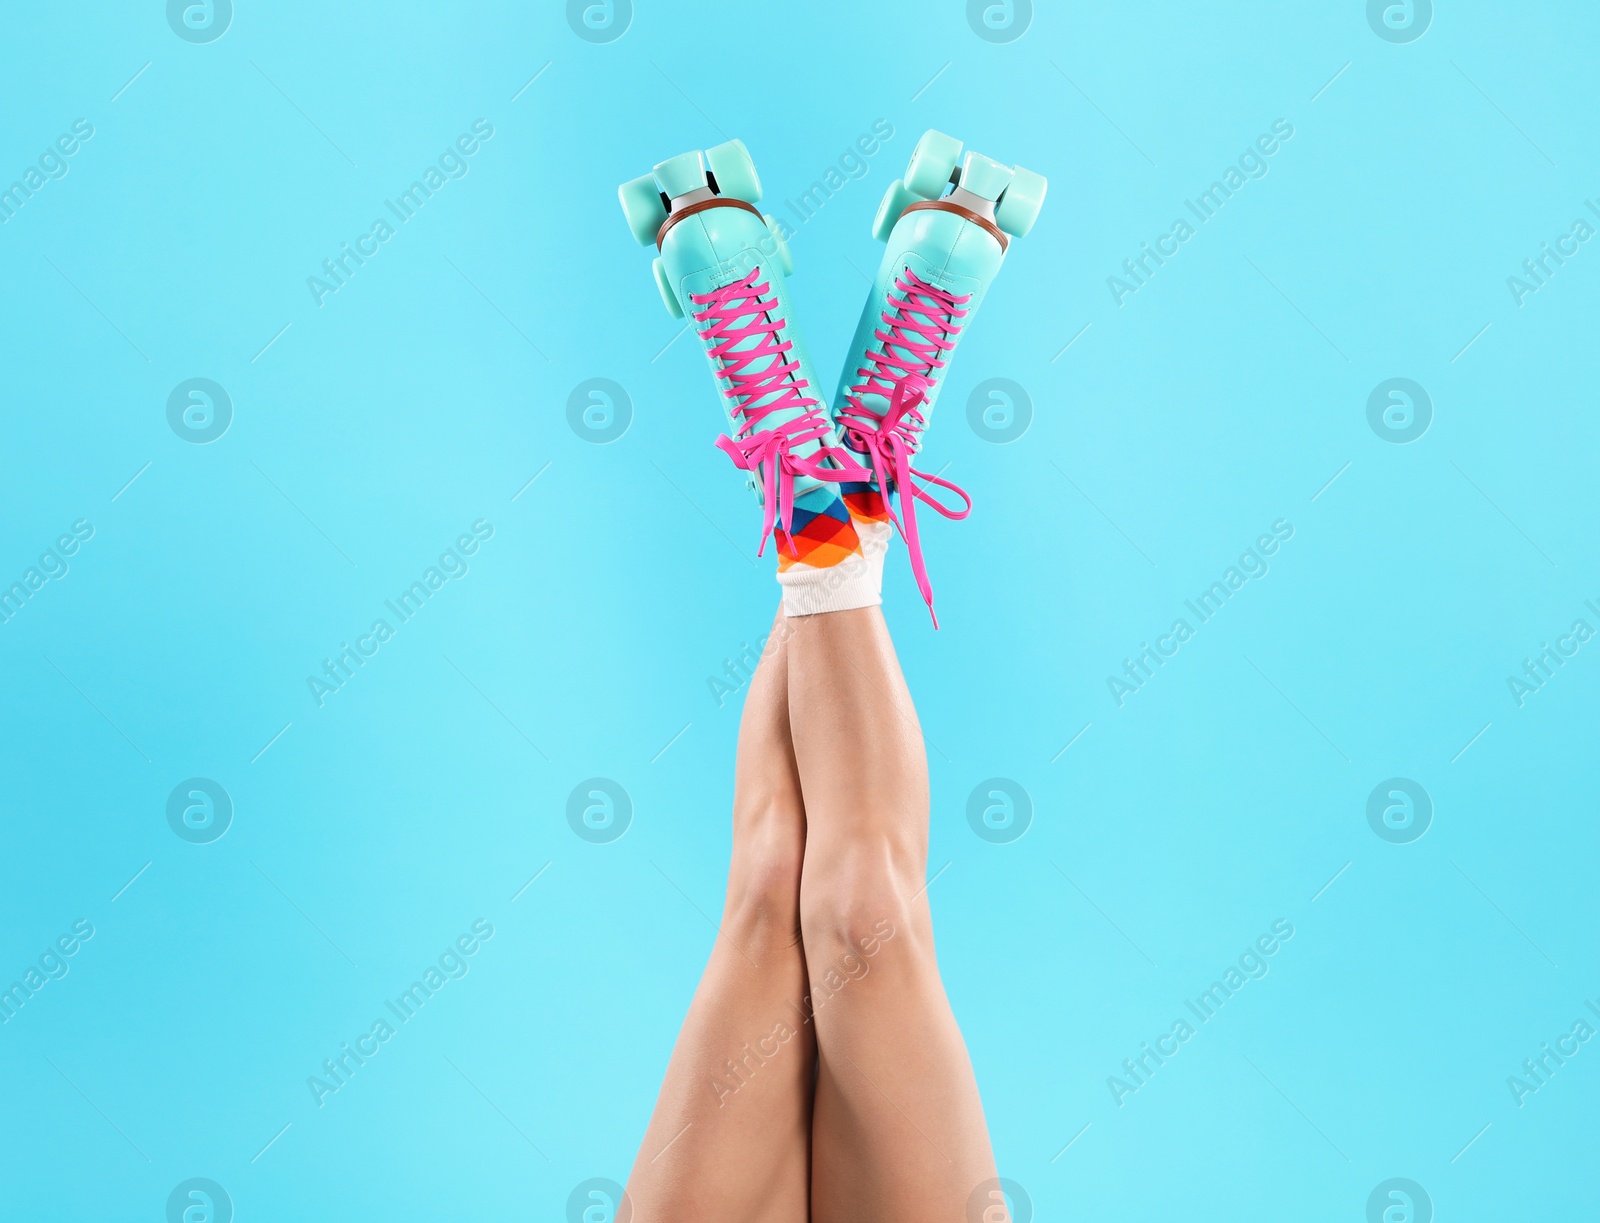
[{"x": 429, "y": 391}]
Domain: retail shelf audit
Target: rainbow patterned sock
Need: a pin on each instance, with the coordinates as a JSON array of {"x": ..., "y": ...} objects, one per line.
[
  {"x": 870, "y": 515},
  {"x": 824, "y": 563}
]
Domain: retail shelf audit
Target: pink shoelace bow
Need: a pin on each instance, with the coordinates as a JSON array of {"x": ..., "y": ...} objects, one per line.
[
  {"x": 763, "y": 381},
  {"x": 922, "y": 325}
]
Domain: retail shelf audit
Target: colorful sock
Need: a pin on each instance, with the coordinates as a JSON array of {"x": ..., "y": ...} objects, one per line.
[
  {"x": 870, "y": 516},
  {"x": 825, "y": 564}
]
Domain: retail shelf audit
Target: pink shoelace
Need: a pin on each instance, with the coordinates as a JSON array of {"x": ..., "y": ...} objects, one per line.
[
  {"x": 765, "y": 381},
  {"x": 922, "y": 324}
]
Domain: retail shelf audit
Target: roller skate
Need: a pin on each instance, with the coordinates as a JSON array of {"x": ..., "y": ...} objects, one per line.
[
  {"x": 724, "y": 264},
  {"x": 946, "y": 226}
]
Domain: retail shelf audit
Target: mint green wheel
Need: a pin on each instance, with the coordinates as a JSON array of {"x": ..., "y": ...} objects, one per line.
[
  {"x": 983, "y": 176},
  {"x": 682, "y": 174},
  {"x": 668, "y": 297},
  {"x": 895, "y": 201},
  {"x": 780, "y": 254},
  {"x": 1020, "y": 202},
  {"x": 932, "y": 163},
  {"x": 735, "y": 173},
  {"x": 642, "y": 207}
]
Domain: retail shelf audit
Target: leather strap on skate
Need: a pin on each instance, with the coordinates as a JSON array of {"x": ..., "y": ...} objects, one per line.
[
  {"x": 965, "y": 213},
  {"x": 721, "y": 201}
]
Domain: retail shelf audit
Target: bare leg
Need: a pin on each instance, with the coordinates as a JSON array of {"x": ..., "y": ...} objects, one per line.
[
  {"x": 730, "y": 1138},
  {"x": 898, "y": 1132}
]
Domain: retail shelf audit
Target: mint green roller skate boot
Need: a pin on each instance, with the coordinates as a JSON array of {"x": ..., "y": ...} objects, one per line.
[
  {"x": 947, "y": 225},
  {"x": 724, "y": 264}
]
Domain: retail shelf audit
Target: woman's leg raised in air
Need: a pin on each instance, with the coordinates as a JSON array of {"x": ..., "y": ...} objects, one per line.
[
  {"x": 730, "y": 1138},
  {"x": 898, "y": 1131}
]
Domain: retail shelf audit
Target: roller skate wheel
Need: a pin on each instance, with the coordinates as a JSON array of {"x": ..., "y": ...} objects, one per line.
[
  {"x": 932, "y": 164},
  {"x": 735, "y": 172},
  {"x": 682, "y": 174},
  {"x": 642, "y": 207},
  {"x": 1020, "y": 203},
  {"x": 984, "y": 177}
]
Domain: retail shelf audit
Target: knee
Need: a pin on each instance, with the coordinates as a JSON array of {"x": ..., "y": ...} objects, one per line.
[
  {"x": 854, "y": 898},
  {"x": 763, "y": 901}
]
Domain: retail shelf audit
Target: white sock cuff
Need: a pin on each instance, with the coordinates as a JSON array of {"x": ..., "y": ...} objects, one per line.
[
  {"x": 854, "y": 582},
  {"x": 804, "y": 595}
]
